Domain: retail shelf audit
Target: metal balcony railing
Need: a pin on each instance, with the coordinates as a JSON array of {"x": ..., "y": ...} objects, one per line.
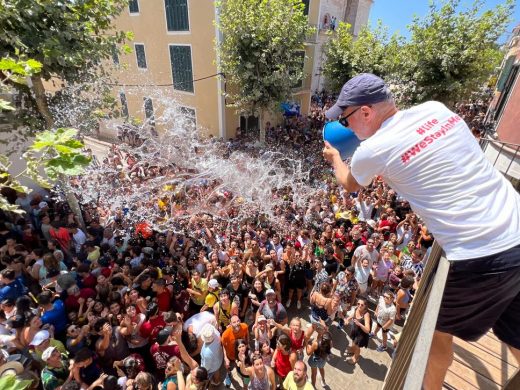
[{"x": 409, "y": 366}]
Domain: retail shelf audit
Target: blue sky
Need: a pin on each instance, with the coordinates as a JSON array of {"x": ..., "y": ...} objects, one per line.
[{"x": 397, "y": 14}]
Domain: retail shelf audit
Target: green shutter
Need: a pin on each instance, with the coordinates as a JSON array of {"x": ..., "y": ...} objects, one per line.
[
  {"x": 504, "y": 75},
  {"x": 133, "y": 6},
  {"x": 177, "y": 15},
  {"x": 141, "y": 56},
  {"x": 180, "y": 57}
]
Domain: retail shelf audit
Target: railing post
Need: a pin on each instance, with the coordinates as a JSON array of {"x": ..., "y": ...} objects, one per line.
[{"x": 408, "y": 349}]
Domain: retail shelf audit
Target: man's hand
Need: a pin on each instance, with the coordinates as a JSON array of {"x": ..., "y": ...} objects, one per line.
[{"x": 330, "y": 153}]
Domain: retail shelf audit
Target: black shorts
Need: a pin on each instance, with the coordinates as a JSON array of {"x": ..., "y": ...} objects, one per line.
[
  {"x": 382, "y": 329},
  {"x": 483, "y": 294}
]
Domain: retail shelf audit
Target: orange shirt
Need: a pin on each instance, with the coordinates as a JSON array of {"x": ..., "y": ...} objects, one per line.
[{"x": 229, "y": 337}]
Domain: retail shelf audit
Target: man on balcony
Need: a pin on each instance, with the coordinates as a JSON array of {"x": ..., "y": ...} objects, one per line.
[{"x": 428, "y": 155}]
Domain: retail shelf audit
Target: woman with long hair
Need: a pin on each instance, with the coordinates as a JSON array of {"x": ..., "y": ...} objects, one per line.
[
  {"x": 262, "y": 377},
  {"x": 318, "y": 351},
  {"x": 243, "y": 360},
  {"x": 360, "y": 326}
]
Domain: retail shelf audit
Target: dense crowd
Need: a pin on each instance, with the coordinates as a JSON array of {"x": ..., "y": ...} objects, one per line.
[
  {"x": 117, "y": 305},
  {"x": 474, "y": 114}
]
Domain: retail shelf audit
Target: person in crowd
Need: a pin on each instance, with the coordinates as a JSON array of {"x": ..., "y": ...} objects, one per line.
[
  {"x": 360, "y": 326},
  {"x": 261, "y": 377},
  {"x": 236, "y": 331},
  {"x": 281, "y": 361},
  {"x": 318, "y": 351},
  {"x": 385, "y": 317},
  {"x": 53, "y": 312},
  {"x": 297, "y": 378},
  {"x": 211, "y": 353},
  {"x": 56, "y": 371}
]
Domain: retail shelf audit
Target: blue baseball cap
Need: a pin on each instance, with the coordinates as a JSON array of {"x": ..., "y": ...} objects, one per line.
[{"x": 365, "y": 88}]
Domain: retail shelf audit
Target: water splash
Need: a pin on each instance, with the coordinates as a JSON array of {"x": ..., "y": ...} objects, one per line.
[{"x": 171, "y": 177}]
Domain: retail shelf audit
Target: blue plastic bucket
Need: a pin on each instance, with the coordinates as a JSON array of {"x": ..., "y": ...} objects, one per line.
[{"x": 341, "y": 138}]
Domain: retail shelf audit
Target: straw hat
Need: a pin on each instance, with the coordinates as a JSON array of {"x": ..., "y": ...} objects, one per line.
[{"x": 11, "y": 368}]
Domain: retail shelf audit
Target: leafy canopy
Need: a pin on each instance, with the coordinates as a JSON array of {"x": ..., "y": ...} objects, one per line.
[
  {"x": 449, "y": 56},
  {"x": 66, "y": 37},
  {"x": 58, "y": 152},
  {"x": 452, "y": 53},
  {"x": 260, "y": 54},
  {"x": 373, "y": 51}
]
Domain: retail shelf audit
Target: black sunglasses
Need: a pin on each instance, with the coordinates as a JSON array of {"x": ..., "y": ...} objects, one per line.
[{"x": 344, "y": 120}]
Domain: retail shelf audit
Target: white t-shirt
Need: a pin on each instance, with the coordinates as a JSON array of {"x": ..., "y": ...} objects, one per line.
[
  {"x": 79, "y": 239},
  {"x": 362, "y": 252},
  {"x": 384, "y": 311},
  {"x": 407, "y": 236},
  {"x": 198, "y": 321},
  {"x": 429, "y": 156}
]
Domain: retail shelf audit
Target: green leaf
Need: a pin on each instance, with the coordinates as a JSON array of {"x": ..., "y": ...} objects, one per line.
[{"x": 5, "y": 105}]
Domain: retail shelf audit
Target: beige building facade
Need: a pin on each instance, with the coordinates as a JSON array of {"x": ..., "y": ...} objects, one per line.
[{"x": 173, "y": 57}]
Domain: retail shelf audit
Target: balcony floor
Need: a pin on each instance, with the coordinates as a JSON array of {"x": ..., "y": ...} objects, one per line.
[{"x": 486, "y": 364}]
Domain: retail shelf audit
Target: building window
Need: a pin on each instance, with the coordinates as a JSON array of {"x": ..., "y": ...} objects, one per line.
[
  {"x": 140, "y": 55},
  {"x": 249, "y": 124},
  {"x": 189, "y": 117},
  {"x": 148, "y": 110},
  {"x": 300, "y": 57},
  {"x": 124, "y": 104},
  {"x": 180, "y": 57},
  {"x": 177, "y": 15},
  {"x": 306, "y": 9},
  {"x": 133, "y": 6}
]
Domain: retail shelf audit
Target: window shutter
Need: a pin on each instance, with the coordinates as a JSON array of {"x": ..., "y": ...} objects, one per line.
[
  {"x": 177, "y": 15},
  {"x": 133, "y": 6},
  {"x": 181, "y": 68},
  {"x": 124, "y": 104},
  {"x": 141, "y": 56},
  {"x": 504, "y": 75}
]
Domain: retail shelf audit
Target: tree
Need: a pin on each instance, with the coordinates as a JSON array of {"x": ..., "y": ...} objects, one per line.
[
  {"x": 450, "y": 55},
  {"x": 69, "y": 38},
  {"x": 58, "y": 152},
  {"x": 260, "y": 54},
  {"x": 453, "y": 53},
  {"x": 373, "y": 51}
]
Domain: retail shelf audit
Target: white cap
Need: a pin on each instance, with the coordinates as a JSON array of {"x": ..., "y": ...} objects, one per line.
[
  {"x": 213, "y": 283},
  {"x": 41, "y": 205},
  {"x": 40, "y": 337},
  {"x": 261, "y": 319},
  {"x": 372, "y": 223},
  {"x": 270, "y": 291},
  {"x": 47, "y": 353}
]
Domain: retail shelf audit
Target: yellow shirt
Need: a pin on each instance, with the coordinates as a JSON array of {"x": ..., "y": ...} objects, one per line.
[
  {"x": 212, "y": 298},
  {"x": 202, "y": 287},
  {"x": 94, "y": 255},
  {"x": 290, "y": 384}
]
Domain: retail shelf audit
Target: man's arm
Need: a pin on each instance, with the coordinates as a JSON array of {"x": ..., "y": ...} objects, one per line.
[{"x": 341, "y": 170}]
